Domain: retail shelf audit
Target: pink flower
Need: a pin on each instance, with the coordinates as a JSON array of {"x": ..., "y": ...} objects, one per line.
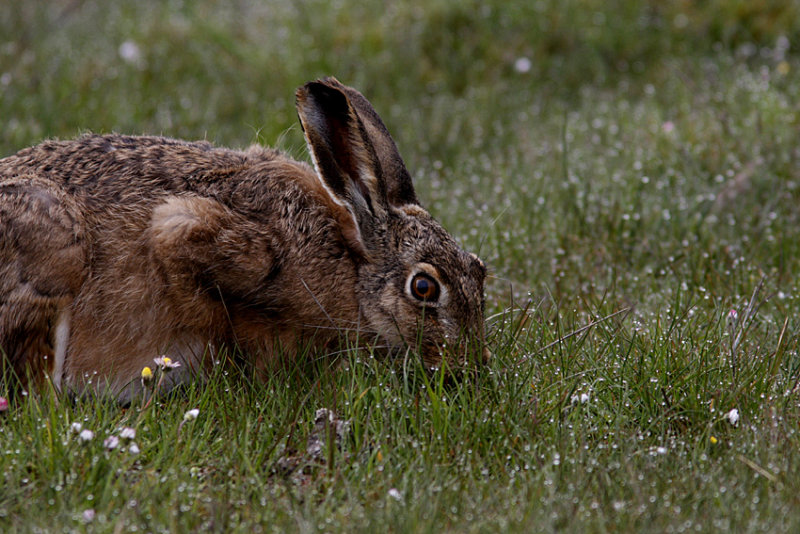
[{"x": 3, "y": 404}]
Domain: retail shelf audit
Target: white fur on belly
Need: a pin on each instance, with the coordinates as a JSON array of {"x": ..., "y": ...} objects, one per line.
[{"x": 61, "y": 342}]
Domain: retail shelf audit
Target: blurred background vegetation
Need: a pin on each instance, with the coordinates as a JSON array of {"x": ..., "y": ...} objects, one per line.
[{"x": 227, "y": 70}]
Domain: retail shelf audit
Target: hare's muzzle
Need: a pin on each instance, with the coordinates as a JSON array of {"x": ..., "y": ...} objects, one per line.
[{"x": 468, "y": 352}]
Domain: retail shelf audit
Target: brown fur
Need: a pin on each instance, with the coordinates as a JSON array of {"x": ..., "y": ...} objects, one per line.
[{"x": 144, "y": 246}]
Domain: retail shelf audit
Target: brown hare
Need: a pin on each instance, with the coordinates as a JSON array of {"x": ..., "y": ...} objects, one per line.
[{"x": 117, "y": 249}]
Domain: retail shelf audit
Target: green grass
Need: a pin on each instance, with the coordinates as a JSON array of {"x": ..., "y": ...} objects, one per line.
[{"x": 636, "y": 183}]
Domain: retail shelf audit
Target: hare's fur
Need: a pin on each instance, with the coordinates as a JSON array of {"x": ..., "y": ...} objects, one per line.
[{"x": 117, "y": 249}]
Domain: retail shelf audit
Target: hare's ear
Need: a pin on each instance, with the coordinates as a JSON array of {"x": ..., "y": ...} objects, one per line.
[
  {"x": 343, "y": 155},
  {"x": 345, "y": 133},
  {"x": 397, "y": 180}
]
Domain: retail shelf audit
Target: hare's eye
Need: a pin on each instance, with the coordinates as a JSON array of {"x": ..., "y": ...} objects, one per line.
[{"x": 424, "y": 288}]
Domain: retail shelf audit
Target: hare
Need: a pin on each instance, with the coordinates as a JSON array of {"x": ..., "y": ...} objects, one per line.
[{"x": 118, "y": 249}]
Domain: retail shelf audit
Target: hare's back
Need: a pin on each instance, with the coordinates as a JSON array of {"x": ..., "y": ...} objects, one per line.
[{"x": 117, "y": 168}]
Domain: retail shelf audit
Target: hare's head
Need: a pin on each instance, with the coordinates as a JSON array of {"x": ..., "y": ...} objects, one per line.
[{"x": 416, "y": 288}]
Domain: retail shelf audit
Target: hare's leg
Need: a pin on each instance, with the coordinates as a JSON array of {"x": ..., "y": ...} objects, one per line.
[{"x": 42, "y": 265}]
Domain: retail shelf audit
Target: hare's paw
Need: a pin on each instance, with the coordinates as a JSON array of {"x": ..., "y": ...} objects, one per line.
[
  {"x": 208, "y": 255},
  {"x": 179, "y": 221}
]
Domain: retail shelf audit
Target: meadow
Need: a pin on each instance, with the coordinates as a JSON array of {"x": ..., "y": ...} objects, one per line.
[{"x": 630, "y": 172}]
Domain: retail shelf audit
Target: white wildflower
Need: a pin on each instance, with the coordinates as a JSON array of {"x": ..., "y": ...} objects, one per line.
[
  {"x": 111, "y": 442},
  {"x": 191, "y": 414},
  {"x": 130, "y": 52},
  {"x": 86, "y": 435},
  {"x": 76, "y": 427},
  {"x": 395, "y": 494},
  {"x": 127, "y": 432},
  {"x": 166, "y": 363},
  {"x": 133, "y": 448},
  {"x": 522, "y": 65},
  {"x": 733, "y": 416}
]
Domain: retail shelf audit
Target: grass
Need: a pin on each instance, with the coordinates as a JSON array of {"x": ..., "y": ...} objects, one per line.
[{"x": 632, "y": 183}]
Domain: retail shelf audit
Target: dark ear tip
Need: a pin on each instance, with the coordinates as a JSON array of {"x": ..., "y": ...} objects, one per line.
[
  {"x": 315, "y": 85},
  {"x": 326, "y": 93},
  {"x": 330, "y": 81}
]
